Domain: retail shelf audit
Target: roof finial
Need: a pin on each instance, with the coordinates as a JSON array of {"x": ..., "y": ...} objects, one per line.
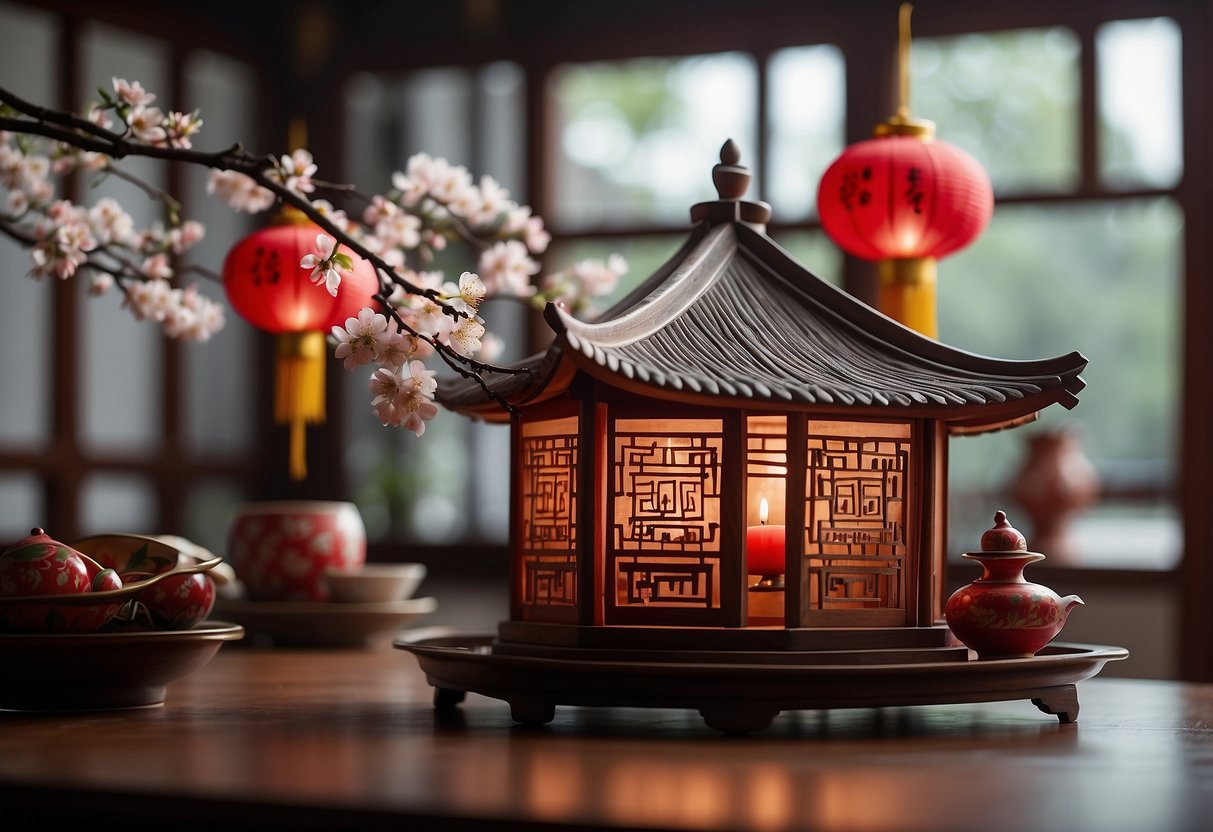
[{"x": 730, "y": 178}]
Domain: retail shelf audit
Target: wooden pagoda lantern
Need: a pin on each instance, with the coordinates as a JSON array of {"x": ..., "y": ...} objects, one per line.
[{"x": 740, "y": 466}]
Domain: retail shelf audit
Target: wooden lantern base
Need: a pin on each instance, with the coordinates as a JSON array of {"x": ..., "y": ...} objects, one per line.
[{"x": 742, "y": 690}]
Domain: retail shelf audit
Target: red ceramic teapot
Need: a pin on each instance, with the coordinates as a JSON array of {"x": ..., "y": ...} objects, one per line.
[
  {"x": 40, "y": 566},
  {"x": 1002, "y": 615}
]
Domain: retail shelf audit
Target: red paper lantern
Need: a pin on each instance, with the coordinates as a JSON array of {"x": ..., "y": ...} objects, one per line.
[
  {"x": 268, "y": 288},
  {"x": 900, "y": 197},
  {"x": 904, "y": 200}
]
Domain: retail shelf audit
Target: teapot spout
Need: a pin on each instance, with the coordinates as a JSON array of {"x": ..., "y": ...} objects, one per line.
[{"x": 1068, "y": 603}]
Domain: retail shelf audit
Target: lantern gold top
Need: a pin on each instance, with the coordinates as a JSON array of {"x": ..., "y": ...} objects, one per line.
[{"x": 902, "y": 123}]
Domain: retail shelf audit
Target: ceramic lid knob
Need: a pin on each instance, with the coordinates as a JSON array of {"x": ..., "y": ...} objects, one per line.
[{"x": 1003, "y": 537}]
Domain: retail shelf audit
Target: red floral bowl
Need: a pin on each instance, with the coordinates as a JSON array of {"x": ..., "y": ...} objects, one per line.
[{"x": 281, "y": 550}]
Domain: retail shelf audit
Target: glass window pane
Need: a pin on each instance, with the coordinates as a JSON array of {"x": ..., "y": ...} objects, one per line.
[
  {"x": 27, "y": 63},
  {"x": 28, "y": 68},
  {"x": 1103, "y": 279},
  {"x": 209, "y": 505},
  {"x": 808, "y": 129},
  {"x": 815, "y": 251},
  {"x": 121, "y": 359},
  {"x": 1140, "y": 125},
  {"x": 502, "y": 107},
  {"x": 472, "y": 118},
  {"x": 219, "y": 377},
  {"x": 1008, "y": 98},
  {"x": 24, "y": 506},
  {"x": 118, "y": 503},
  {"x": 636, "y": 138}
]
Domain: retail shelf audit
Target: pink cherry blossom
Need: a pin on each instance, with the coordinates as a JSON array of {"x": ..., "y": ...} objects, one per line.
[
  {"x": 157, "y": 267},
  {"x": 359, "y": 342},
  {"x": 506, "y": 269},
  {"x": 132, "y": 93},
  {"x": 239, "y": 191},
  {"x": 295, "y": 172}
]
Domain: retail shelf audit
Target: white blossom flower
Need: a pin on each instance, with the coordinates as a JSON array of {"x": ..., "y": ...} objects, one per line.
[
  {"x": 62, "y": 252},
  {"x": 34, "y": 169},
  {"x": 157, "y": 267},
  {"x": 465, "y": 337},
  {"x": 179, "y": 127},
  {"x": 400, "y": 347},
  {"x": 414, "y": 403},
  {"x": 381, "y": 208},
  {"x": 239, "y": 191},
  {"x": 185, "y": 237},
  {"x": 16, "y": 204},
  {"x": 506, "y": 269},
  {"x": 385, "y": 387},
  {"x": 430, "y": 318},
  {"x": 536, "y": 236},
  {"x": 360, "y": 341},
  {"x": 326, "y": 264},
  {"x": 100, "y": 117},
  {"x": 150, "y": 299},
  {"x": 132, "y": 93},
  {"x": 295, "y": 172},
  {"x": 110, "y": 222},
  {"x": 12, "y": 169},
  {"x": 337, "y": 216},
  {"x": 467, "y": 296},
  {"x": 99, "y": 283},
  {"x": 399, "y": 229},
  {"x": 494, "y": 200},
  {"x": 147, "y": 124},
  {"x": 448, "y": 183}
]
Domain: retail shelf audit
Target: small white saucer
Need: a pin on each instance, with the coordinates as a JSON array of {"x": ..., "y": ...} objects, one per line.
[{"x": 321, "y": 623}]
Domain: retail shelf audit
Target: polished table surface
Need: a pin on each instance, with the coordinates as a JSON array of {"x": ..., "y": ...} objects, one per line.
[{"x": 335, "y": 739}]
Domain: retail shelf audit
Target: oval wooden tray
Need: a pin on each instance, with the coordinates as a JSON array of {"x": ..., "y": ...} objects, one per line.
[{"x": 736, "y": 697}]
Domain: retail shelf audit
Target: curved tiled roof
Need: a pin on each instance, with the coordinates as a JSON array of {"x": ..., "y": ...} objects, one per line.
[{"x": 734, "y": 316}]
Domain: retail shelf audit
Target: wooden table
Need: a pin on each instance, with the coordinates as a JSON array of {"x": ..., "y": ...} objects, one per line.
[{"x": 309, "y": 739}]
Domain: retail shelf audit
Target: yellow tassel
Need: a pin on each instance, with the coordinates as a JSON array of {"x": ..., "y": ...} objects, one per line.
[
  {"x": 907, "y": 293},
  {"x": 299, "y": 391}
]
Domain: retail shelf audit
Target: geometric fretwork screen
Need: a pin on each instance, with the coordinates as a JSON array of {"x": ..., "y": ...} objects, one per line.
[
  {"x": 664, "y": 549},
  {"x": 548, "y": 540},
  {"x": 855, "y": 514}
]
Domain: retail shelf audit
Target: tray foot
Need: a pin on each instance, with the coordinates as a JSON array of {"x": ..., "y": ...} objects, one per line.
[
  {"x": 446, "y": 699},
  {"x": 532, "y": 710},
  {"x": 734, "y": 718},
  {"x": 1062, "y": 701}
]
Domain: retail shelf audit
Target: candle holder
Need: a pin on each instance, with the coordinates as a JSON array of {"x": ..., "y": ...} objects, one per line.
[{"x": 644, "y": 446}]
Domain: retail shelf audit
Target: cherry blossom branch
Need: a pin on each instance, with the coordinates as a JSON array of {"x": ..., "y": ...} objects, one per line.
[{"x": 431, "y": 203}]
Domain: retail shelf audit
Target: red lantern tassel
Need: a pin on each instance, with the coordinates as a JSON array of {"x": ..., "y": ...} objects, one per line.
[{"x": 299, "y": 390}]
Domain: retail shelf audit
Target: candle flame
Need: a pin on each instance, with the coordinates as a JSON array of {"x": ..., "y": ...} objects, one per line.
[{"x": 762, "y": 511}]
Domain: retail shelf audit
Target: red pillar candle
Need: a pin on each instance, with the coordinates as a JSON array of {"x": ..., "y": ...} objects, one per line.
[{"x": 765, "y": 546}]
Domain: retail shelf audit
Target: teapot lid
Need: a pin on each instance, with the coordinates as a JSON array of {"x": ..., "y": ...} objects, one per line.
[
  {"x": 1003, "y": 537},
  {"x": 36, "y": 535}
]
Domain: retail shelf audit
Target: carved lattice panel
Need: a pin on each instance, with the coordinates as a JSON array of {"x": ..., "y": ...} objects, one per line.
[
  {"x": 548, "y": 540},
  {"x": 855, "y": 514},
  {"x": 665, "y": 533}
]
